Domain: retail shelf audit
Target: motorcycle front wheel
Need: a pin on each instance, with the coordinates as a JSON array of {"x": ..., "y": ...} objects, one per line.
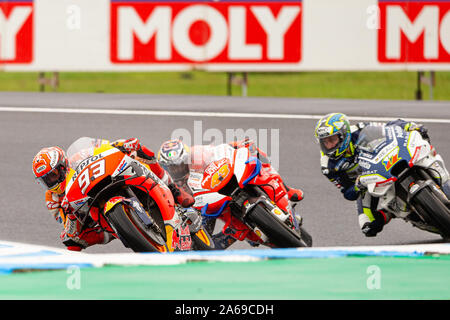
[
  {"x": 131, "y": 230},
  {"x": 279, "y": 234},
  {"x": 433, "y": 209}
]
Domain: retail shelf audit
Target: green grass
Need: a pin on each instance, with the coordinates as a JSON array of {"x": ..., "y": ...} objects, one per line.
[{"x": 354, "y": 85}]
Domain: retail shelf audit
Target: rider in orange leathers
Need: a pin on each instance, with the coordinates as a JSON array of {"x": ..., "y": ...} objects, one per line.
[{"x": 50, "y": 167}]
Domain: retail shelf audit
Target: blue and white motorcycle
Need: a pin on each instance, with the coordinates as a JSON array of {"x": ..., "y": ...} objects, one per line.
[{"x": 405, "y": 173}]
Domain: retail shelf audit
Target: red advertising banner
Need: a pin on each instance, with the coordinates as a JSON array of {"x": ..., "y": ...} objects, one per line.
[
  {"x": 414, "y": 31},
  {"x": 232, "y": 32},
  {"x": 16, "y": 31}
]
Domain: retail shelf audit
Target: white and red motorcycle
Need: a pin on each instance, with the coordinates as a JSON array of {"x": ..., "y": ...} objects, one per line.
[
  {"x": 235, "y": 186},
  {"x": 404, "y": 172}
]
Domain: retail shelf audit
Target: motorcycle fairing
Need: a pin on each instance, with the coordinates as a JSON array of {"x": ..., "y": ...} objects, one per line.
[{"x": 376, "y": 164}]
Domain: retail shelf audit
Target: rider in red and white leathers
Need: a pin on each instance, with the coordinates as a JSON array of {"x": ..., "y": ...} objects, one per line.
[
  {"x": 178, "y": 160},
  {"x": 50, "y": 167}
]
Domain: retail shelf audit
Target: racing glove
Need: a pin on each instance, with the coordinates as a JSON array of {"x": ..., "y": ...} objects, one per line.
[
  {"x": 53, "y": 202},
  {"x": 127, "y": 146},
  {"x": 371, "y": 229},
  {"x": 133, "y": 147}
]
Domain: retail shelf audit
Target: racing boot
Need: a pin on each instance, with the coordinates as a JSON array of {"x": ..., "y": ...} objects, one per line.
[
  {"x": 294, "y": 195},
  {"x": 87, "y": 238},
  {"x": 76, "y": 240},
  {"x": 372, "y": 228}
]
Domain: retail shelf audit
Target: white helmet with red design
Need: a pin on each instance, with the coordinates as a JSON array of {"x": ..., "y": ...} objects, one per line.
[
  {"x": 173, "y": 156},
  {"x": 50, "y": 167}
]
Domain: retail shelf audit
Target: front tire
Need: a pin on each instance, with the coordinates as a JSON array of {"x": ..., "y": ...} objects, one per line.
[
  {"x": 434, "y": 210},
  {"x": 279, "y": 234},
  {"x": 307, "y": 238},
  {"x": 133, "y": 232}
]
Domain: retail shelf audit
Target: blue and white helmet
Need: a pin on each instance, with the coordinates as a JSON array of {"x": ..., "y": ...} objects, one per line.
[{"x": 330, "y": 125}]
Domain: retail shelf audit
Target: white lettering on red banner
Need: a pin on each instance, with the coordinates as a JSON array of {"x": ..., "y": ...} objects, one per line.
[
  {"x": 417, "y": 31},
  {"x": 16, "y": 31},
  {"x": 206, "y": 32}
]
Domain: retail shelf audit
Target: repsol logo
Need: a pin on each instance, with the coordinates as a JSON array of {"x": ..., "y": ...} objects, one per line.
[{"x": 84, "y": 164}]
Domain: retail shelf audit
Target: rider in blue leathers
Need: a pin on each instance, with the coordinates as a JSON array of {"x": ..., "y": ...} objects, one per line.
[{"x": 337, "y": 139}]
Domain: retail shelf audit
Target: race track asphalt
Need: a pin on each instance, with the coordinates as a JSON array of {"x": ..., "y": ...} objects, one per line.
[{"x": 331, "y": 220}]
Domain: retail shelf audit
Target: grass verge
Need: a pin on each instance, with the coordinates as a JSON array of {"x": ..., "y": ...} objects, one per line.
[{"x": 352, "y": 85}]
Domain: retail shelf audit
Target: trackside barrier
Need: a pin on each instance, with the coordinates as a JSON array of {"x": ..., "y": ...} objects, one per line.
[{"x": 227, "y": 36}]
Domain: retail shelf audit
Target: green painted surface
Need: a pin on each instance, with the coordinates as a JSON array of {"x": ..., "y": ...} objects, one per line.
[{"x": 283, "y": 279}]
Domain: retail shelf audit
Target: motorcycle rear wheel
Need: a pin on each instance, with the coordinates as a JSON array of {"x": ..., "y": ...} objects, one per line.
[
  {"x": 133, "y": 232},
  {"x": 279, "y": 234}
]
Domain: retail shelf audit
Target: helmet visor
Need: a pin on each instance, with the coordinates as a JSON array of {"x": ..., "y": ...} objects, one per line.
[
  {"x": 331, "y": 143},
  {"x": 52, "y": 179}
]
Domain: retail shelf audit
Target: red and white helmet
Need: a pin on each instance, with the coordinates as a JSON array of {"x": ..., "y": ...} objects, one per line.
[{"x": 50, "y": 166}]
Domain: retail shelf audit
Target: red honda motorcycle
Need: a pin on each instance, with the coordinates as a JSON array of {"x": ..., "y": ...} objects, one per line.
[{"x": 121, "y": 195}]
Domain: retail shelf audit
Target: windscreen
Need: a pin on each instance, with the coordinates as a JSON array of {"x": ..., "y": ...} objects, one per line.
[
  {"x": 81, "y": 149},
  {"x": 370, "y": 138}
]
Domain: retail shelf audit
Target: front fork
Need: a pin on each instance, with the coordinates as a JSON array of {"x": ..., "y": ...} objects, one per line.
[
  {"x": 413, "y": 182},
  {"x": 296, "y": 217}
]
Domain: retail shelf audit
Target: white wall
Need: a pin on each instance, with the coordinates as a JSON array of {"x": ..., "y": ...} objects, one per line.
[{"x": 75, "y": 35}]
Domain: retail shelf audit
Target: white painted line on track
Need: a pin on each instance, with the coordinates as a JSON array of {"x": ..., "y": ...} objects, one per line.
[{"x": 125, "y": 112}]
